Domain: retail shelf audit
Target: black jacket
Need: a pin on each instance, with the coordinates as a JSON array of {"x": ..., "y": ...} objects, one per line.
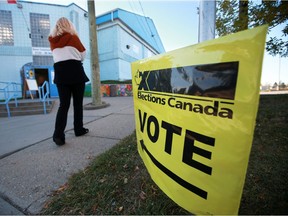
[{"x": 69, "y": 72}]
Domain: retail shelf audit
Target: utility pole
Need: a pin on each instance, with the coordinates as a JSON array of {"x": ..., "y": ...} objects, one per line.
[
  {"x": 94, "y": 59},
  {"x": 207, "y": 17}
]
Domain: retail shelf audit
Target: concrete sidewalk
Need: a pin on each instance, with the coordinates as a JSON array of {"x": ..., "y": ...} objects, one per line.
[{"x": 32, "y": 166}]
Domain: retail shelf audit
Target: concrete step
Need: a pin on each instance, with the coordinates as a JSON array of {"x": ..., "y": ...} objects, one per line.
[
  {"x": 26, "y": 107},
  {"x": 22, "y": 107}
]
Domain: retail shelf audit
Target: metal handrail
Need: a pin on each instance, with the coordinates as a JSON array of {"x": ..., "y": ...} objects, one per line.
[
  {"x": 10, "y": 94},
  {"x": 44, "y": 94}
]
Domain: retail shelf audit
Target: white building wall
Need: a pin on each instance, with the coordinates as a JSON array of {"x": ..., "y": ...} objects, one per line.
[
  {"x": 10, "y": 68},
  {"x": 124, "y": 70},
  {"x": 12, "y": 58},
  {"x": 132, "y": 48},
  {"x": 107, "y": 36},
  {"x": 109, "y": 69},
  {"x": 129, "y": 45},
  {"x": 118, "y": 46}
]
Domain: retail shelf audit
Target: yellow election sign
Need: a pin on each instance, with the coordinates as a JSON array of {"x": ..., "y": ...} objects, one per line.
[{"x": 195, "y": 112}]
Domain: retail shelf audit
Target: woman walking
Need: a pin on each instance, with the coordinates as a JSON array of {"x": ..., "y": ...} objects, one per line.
[{"x": 68, "y": 53}]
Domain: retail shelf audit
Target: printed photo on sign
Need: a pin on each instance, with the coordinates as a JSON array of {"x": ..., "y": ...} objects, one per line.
[{"x": 211, "y": 80}]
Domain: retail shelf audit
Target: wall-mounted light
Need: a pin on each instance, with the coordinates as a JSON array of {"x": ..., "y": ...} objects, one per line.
[
  {"x": 128, "y": 46},
  {"x": 20, "y": 6},
  {"x": 85, "y": 14}
]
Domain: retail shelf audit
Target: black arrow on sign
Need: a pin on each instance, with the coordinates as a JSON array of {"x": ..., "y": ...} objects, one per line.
[{"x": 173, "y": 176}]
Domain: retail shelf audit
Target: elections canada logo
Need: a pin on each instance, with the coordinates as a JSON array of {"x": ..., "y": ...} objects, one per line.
[{"x": 198, "y": 89}]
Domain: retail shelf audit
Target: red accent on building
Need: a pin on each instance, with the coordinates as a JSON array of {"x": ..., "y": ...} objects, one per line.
[{"x": 12, "y": 1}]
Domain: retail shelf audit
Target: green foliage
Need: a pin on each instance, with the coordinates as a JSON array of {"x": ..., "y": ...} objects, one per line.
[
  {"x": 230, "y": 19},
  {"x": 225, "y": 17},
  {"x": 116, "y": 82}
]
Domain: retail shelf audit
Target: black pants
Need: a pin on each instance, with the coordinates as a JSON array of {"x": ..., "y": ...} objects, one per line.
[{"x": 65, "y": 92}]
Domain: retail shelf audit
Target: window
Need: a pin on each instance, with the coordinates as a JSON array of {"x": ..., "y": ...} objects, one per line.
[
  {"x": 6, "y": 28},
  {"x": 40, "y": 29}
]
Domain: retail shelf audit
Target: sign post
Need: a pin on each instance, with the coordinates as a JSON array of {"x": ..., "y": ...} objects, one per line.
[{"x": 31, "y": 85}]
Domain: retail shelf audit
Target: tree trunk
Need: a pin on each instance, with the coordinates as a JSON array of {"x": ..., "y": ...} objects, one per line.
[{"x": 243, "y": 14}]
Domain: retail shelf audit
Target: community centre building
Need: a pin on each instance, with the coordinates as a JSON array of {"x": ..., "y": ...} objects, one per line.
[{"x": 123, "y": 37}]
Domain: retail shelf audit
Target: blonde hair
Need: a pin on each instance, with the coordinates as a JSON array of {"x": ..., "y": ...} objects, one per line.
[{"x": 63, "y": 25}]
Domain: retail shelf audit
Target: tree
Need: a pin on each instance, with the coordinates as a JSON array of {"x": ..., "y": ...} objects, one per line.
[
  {"x": 251, "y": 14},
  {"x": 282, "y": 86}
]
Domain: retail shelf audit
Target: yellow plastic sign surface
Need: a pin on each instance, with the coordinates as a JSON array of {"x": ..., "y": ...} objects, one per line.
[{"x": 195, "y": 112}]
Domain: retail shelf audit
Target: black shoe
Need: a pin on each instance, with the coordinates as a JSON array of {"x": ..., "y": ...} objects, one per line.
[
  {"x": 82, "y": 132},
  {"x": 59, "y": 141}
]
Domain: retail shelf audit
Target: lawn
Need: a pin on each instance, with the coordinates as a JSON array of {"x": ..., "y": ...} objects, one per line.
[{"x": 117, "y": 181}]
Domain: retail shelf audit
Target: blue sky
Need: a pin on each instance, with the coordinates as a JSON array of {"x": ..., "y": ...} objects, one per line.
[{"x": 177, "y": 24}]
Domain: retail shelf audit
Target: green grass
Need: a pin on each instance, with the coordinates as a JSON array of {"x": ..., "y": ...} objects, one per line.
[
  {"x": 117, "y": 182},
  {"x": 266, "y": 186},
  {"x": 116, "y": 82}
]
